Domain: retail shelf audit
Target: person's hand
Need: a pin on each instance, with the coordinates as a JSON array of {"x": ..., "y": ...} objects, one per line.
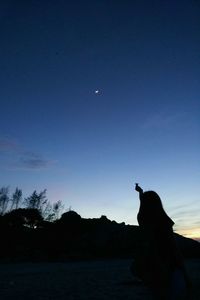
[{"x": 138, "y": 188}]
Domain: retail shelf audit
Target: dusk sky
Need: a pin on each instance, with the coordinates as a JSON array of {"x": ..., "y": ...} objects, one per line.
[{"x": 88, "y": 148}]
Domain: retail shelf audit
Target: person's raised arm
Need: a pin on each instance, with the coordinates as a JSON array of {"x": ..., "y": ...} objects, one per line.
[{"x": 139, "y": 190}]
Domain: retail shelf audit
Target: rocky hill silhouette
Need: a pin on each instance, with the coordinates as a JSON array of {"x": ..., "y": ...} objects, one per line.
[{"x": 25, "y": 236}]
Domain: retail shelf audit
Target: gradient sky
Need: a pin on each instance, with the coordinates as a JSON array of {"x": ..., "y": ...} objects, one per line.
[{"x": 143, "y": 126}]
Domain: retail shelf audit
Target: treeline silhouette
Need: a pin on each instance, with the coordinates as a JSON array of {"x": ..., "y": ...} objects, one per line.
[
  {"x": 36, "y": 201},
  {"x": 33, "y": 229}
]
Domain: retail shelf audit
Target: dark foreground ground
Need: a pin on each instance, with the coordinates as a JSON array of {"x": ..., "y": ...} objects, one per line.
[{"x": 101, "y": 280}]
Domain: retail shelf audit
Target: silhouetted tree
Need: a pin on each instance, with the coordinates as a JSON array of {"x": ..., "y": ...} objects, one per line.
[
  {"x": 36, "y": 200},
  {"x": 70, "y": 216},
  {"x": 32, "y": 217},
  {"x": 46, "y": 210},
  {"x": 40, "y": 202},
  {"x": 4, "y": 199},
  {"x": 29, "y": 217},
  {"x": 16, "y": 199},
  {"x": 55, "y": 211}
]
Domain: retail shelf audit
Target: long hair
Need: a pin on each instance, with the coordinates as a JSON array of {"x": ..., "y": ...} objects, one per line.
[{"x": 151, "y": 211}]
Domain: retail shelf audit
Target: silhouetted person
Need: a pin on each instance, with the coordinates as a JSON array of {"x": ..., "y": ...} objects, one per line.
[{"x": 160, "y": 263}]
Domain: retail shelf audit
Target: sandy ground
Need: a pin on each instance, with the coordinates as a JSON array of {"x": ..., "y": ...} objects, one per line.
[{"x": 101, "y": 280}]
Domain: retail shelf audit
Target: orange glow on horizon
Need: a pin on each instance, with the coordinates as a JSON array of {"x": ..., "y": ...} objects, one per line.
[{"x": 190, "y": 233}]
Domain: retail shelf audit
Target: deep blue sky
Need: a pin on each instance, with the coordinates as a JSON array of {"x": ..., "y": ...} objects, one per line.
[{"x": 143, "y": 126}]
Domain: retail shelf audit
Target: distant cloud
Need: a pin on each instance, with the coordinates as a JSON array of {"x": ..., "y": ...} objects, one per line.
[
  {"x": 190, "y": 209},
  {"x": 35, "y": 162},
  {"x": 8, "y": 145},
  {"x": 163, "y": 120},
  {"x": 23, "y": 159},
  {"x": 190, "y": 215}
]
